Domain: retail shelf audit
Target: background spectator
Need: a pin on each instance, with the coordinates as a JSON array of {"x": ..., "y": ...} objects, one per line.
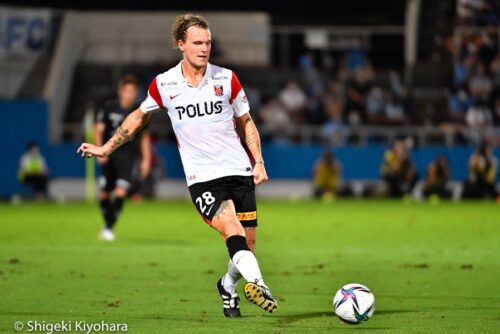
[
  {"x": 327, "y": 175},
  {"x": 398, "y": 170},
  {"x": 437, "y": 178},
  {"x": 482, "y": 173},
  {"x": 33, "y": 170},
  {"x": 294, "y": 101}
]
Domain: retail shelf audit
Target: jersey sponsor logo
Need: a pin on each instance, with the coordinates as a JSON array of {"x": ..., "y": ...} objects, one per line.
[
  {"x": 174, "y": 96},
  {"x": 199, "y": 109},
  {"x": 219, "y": 90},
  {"x": 247, "y": 215}
]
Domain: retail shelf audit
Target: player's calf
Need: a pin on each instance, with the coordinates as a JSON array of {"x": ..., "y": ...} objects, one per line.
[{"x": 245, "y": 261}]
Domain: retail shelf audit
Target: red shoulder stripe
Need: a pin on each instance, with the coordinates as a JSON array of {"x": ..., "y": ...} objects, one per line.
[
  {"x": 235, "y": 87},
  {"x": 155, "y": 93}
]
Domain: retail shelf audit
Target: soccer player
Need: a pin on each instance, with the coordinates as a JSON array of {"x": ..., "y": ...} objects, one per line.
[
  {"x": 116, "y": 170},
  {"x": 208, "y": 108}
]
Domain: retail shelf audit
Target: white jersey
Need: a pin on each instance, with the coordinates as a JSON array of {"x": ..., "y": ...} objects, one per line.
[{"x": 203, "y": 121}]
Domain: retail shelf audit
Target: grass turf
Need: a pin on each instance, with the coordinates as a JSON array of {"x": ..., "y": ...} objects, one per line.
[{"x": 432, "y": 268}]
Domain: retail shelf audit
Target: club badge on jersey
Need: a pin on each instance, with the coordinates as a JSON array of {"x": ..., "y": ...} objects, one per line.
[{"x": 219, "y": 90}]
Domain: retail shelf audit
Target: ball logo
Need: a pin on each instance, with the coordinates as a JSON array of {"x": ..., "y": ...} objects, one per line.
[{"x": 219, "y": 90}]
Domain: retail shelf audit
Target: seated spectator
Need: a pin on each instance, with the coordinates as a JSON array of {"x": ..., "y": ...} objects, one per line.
[
  {"x": 480, "y": 85},
  {"x": 398, "y": 170},
  {"x": 479, "y": 116},
  {"x": 375, "y": 106},
  {"x": 327, "y": 175},
  {"x": 357, "y": 92},
  {"x": 276, "y": 122},
  {"x": 294, "y": 100},
  {"x": 482, "y": 174},
  {"x": 437, "y": 178},
  {"x": 396, "y": 85},
  {"x": 356, "y": 57},
  {"x": 312, "y": 78},
  {"x": 334, "y": 131},
  {"x": 394, "y": 111},
  {"x": 33, "y": 170},
  {"x": 458, "y": 105}
]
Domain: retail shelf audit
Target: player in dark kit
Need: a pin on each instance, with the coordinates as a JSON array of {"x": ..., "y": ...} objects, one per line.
[{"x": 116, "y": 170}]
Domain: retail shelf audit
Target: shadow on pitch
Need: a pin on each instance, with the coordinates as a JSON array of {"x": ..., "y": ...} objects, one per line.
[
  {"x": 388, "y": 312},
  {"x": 291, "y": 318}
]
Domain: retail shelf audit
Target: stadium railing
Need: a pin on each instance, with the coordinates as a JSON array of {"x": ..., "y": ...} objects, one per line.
[{"x": 345, "y": 135}]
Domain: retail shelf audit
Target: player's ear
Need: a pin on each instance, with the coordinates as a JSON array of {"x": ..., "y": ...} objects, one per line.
[{"x": 181, "y": 45}]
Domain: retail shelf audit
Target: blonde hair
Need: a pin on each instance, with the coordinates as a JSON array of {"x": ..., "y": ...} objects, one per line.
[{"x": 181, "y": 25}]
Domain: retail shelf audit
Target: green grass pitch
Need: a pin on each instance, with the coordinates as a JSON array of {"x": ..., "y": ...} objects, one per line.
[{"x": 432, "y": 268}]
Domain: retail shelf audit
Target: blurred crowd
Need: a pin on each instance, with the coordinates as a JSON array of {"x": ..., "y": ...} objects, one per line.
[
  {"x": 474, "y": 100},
  {"x": 348, "y": 90},
  {"x": 351, "y": 92},
  {"x": 478, "y": 12}
]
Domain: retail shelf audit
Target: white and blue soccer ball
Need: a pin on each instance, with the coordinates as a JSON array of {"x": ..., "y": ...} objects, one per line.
[{"x": 354, "y": 303}]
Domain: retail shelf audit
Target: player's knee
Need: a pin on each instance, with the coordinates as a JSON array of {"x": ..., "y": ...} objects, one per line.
[{"x": 228, "y": 228}]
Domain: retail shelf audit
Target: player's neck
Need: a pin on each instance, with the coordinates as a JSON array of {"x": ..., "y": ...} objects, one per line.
[{"x": 193, "y": 75}]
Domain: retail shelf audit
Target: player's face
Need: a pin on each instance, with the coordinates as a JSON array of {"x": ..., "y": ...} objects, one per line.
[
  {"x": 127, "y": 95},
  {"x": 196, "y": 48}
]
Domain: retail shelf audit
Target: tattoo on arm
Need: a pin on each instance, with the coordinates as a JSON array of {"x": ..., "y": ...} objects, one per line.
[
  {"x": 222, "y": 208},
  {"x": 121, "y": 137},
  {"x": 251, "y": 134},
  {"x": 252, "y": 138}
]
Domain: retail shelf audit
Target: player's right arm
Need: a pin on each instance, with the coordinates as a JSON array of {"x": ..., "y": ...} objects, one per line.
[{"x": 130, "y": 126}]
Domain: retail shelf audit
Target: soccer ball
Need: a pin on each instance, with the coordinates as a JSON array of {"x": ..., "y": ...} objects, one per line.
[{"x": 354, "y": 303}]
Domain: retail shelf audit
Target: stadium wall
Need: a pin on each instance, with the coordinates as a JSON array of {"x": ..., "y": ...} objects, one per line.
[{"x": 25, "y": 121}]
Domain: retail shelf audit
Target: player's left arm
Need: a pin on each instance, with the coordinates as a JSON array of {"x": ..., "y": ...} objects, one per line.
[
  {"x": 250, "y": 136},
  {"x": 145, "y": 147}
]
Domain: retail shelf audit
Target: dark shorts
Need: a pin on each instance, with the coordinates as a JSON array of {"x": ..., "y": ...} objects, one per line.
[
  {"x": 207, "y": 197},
  {"x": 117, "y": 172}
]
